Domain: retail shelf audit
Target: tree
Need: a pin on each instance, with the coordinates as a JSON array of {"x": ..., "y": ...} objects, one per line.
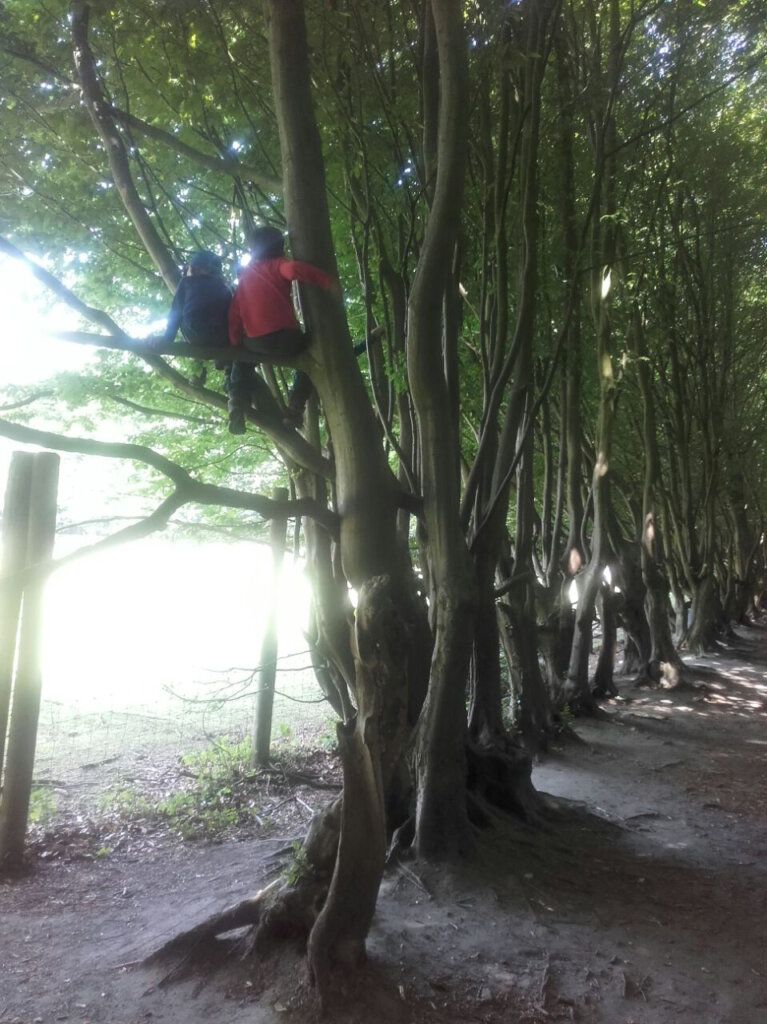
[{"x": 425, "y": 477}]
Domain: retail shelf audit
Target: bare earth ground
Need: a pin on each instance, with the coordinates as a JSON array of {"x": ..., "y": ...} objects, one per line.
[{"x": 651, "y": 909}]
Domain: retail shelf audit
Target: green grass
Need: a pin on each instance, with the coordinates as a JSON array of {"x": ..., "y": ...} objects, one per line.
[{"x": 218, "y": 798}]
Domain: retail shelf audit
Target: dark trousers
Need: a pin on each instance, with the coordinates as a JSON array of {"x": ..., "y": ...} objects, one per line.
[
  {"x": 204, "y": 334},
  {"x": 244, "y": 384}
]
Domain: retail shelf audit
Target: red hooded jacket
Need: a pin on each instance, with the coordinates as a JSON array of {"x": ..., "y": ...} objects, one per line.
[{"x": 263, "y": 302}]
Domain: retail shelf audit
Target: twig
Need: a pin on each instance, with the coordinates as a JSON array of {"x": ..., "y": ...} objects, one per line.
[
  {"x": 305, "y": 805},
  {"x": 411, "y": 876}
]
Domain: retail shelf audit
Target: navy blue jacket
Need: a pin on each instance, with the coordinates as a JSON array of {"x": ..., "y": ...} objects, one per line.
[{"x": 200, "y": 308}]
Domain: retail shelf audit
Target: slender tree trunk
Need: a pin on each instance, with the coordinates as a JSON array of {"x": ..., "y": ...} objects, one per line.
[
  {"x": 604, "y": 253},
  {"x": 662, "y": 649},
  {"x": 366, "y": 498},
  {"x": 535, "y": 711},
  {"x": 267, "y": 675},
  {"x": 604, "y": 684},
  {"x": 366, "y": 491},
  {"x": 441, "y": 817},
  {"x": 572, "y": 374}
]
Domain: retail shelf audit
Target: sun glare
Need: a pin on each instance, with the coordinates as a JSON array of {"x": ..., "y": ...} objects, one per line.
[{"x": 123, "y": 627}]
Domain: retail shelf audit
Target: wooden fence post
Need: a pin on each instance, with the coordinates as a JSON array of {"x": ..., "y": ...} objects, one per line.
[
  {"x": 14, "y": 556},
  {"x": 268, "y": 671},
  {"x": 25, "y": 708}
]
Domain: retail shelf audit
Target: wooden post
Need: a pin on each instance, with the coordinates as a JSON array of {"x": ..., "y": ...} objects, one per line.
[
  {"x": 267, "y": 674},
  {"x": 25, "y": 710},
  {"x": 14, "y": 555}
]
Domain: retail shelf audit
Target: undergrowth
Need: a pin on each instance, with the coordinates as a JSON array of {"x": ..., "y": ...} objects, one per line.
[{"x": 217, "y": 795}]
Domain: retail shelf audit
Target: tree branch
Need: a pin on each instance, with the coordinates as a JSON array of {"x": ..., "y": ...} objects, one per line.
[
  {"x": 187, "y": 488},
  {"x": 96, "y": 316},
  {"x": 147, "y": 410},
  {"x": 288, "y": 439},
  {"x": 214, "y": 163},
  {"x": 98, "y": 109},
  {"x": 29, "y": 400}
]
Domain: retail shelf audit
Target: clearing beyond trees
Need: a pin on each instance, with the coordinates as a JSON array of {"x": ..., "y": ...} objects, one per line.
[{"x": 645, "y": 903}]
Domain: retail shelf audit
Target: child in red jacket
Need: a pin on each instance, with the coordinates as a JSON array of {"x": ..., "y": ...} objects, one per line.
[{"x": 262, "y": 318}]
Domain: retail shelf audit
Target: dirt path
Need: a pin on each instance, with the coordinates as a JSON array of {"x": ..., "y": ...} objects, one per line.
[{"x": 648, "y": 912}]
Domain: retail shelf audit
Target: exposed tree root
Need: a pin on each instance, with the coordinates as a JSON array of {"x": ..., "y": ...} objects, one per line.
[
  {"x": 328, "y": 894},
  {"x": 241, "y": 915},
  {"x": 342, "y": 925},
  {"x": 287, "y": 906},
  {"x": 501, "y": 775}
]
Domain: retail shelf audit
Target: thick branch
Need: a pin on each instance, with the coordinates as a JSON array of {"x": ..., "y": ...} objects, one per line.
[
  {"x": 188, "y": 489},
  {"x": 151, "y": 347},
  {"x": 29, "y": 400},
  {"x": 213, "y": 163},
  {"x": 96, "y": 316}
]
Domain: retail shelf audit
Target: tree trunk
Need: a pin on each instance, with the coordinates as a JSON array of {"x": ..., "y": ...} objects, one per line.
[
  {"x": 366, "y": 498},
  {"x": 574, "y": 556},
  {"x": 705, "y": 612},
  {"x": 370, "y": 747},
  {"x": 604, "y": 240},
  {"x": 269, "y": 645},
  {"x": 663, "y": 658},
  {"x": 604, "y": 684},
  {"x": 365, "y": 490},
  {"x": 442, "y": 825},
  {"x": 485, "y": 706}
]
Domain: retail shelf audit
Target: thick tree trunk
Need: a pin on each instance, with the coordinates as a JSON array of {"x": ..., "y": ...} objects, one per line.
[
  {"x": 485, "y": 706},
  {"x": 441, "y": 818},
  {"x": 370, "y": 747},
  {"x": 705, "y": 614}
]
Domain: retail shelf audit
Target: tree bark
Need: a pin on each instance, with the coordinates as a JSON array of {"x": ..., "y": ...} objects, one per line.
[
  {"x": 441, "y": 818},
  {"x": 663, "y": 657},
  {"x": 604, "y": 238},
  {"x": 370, "y": 747}
]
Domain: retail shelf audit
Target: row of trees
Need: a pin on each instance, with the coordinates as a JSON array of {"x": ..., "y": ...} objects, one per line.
[{"x": 553, "y": 208}]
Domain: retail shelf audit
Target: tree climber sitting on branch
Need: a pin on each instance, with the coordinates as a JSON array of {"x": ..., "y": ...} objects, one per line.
[
  {"x": 263, "y": 320},
  {"x": 200, "y": 305}
]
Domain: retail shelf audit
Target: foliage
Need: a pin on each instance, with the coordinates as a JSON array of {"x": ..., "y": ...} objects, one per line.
[
  {"x": 218, "y": 799},
  {"x": 42, "y": 805},
  {"x": 641, "y": 146},
  {"x": 299, "y": 866}
]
